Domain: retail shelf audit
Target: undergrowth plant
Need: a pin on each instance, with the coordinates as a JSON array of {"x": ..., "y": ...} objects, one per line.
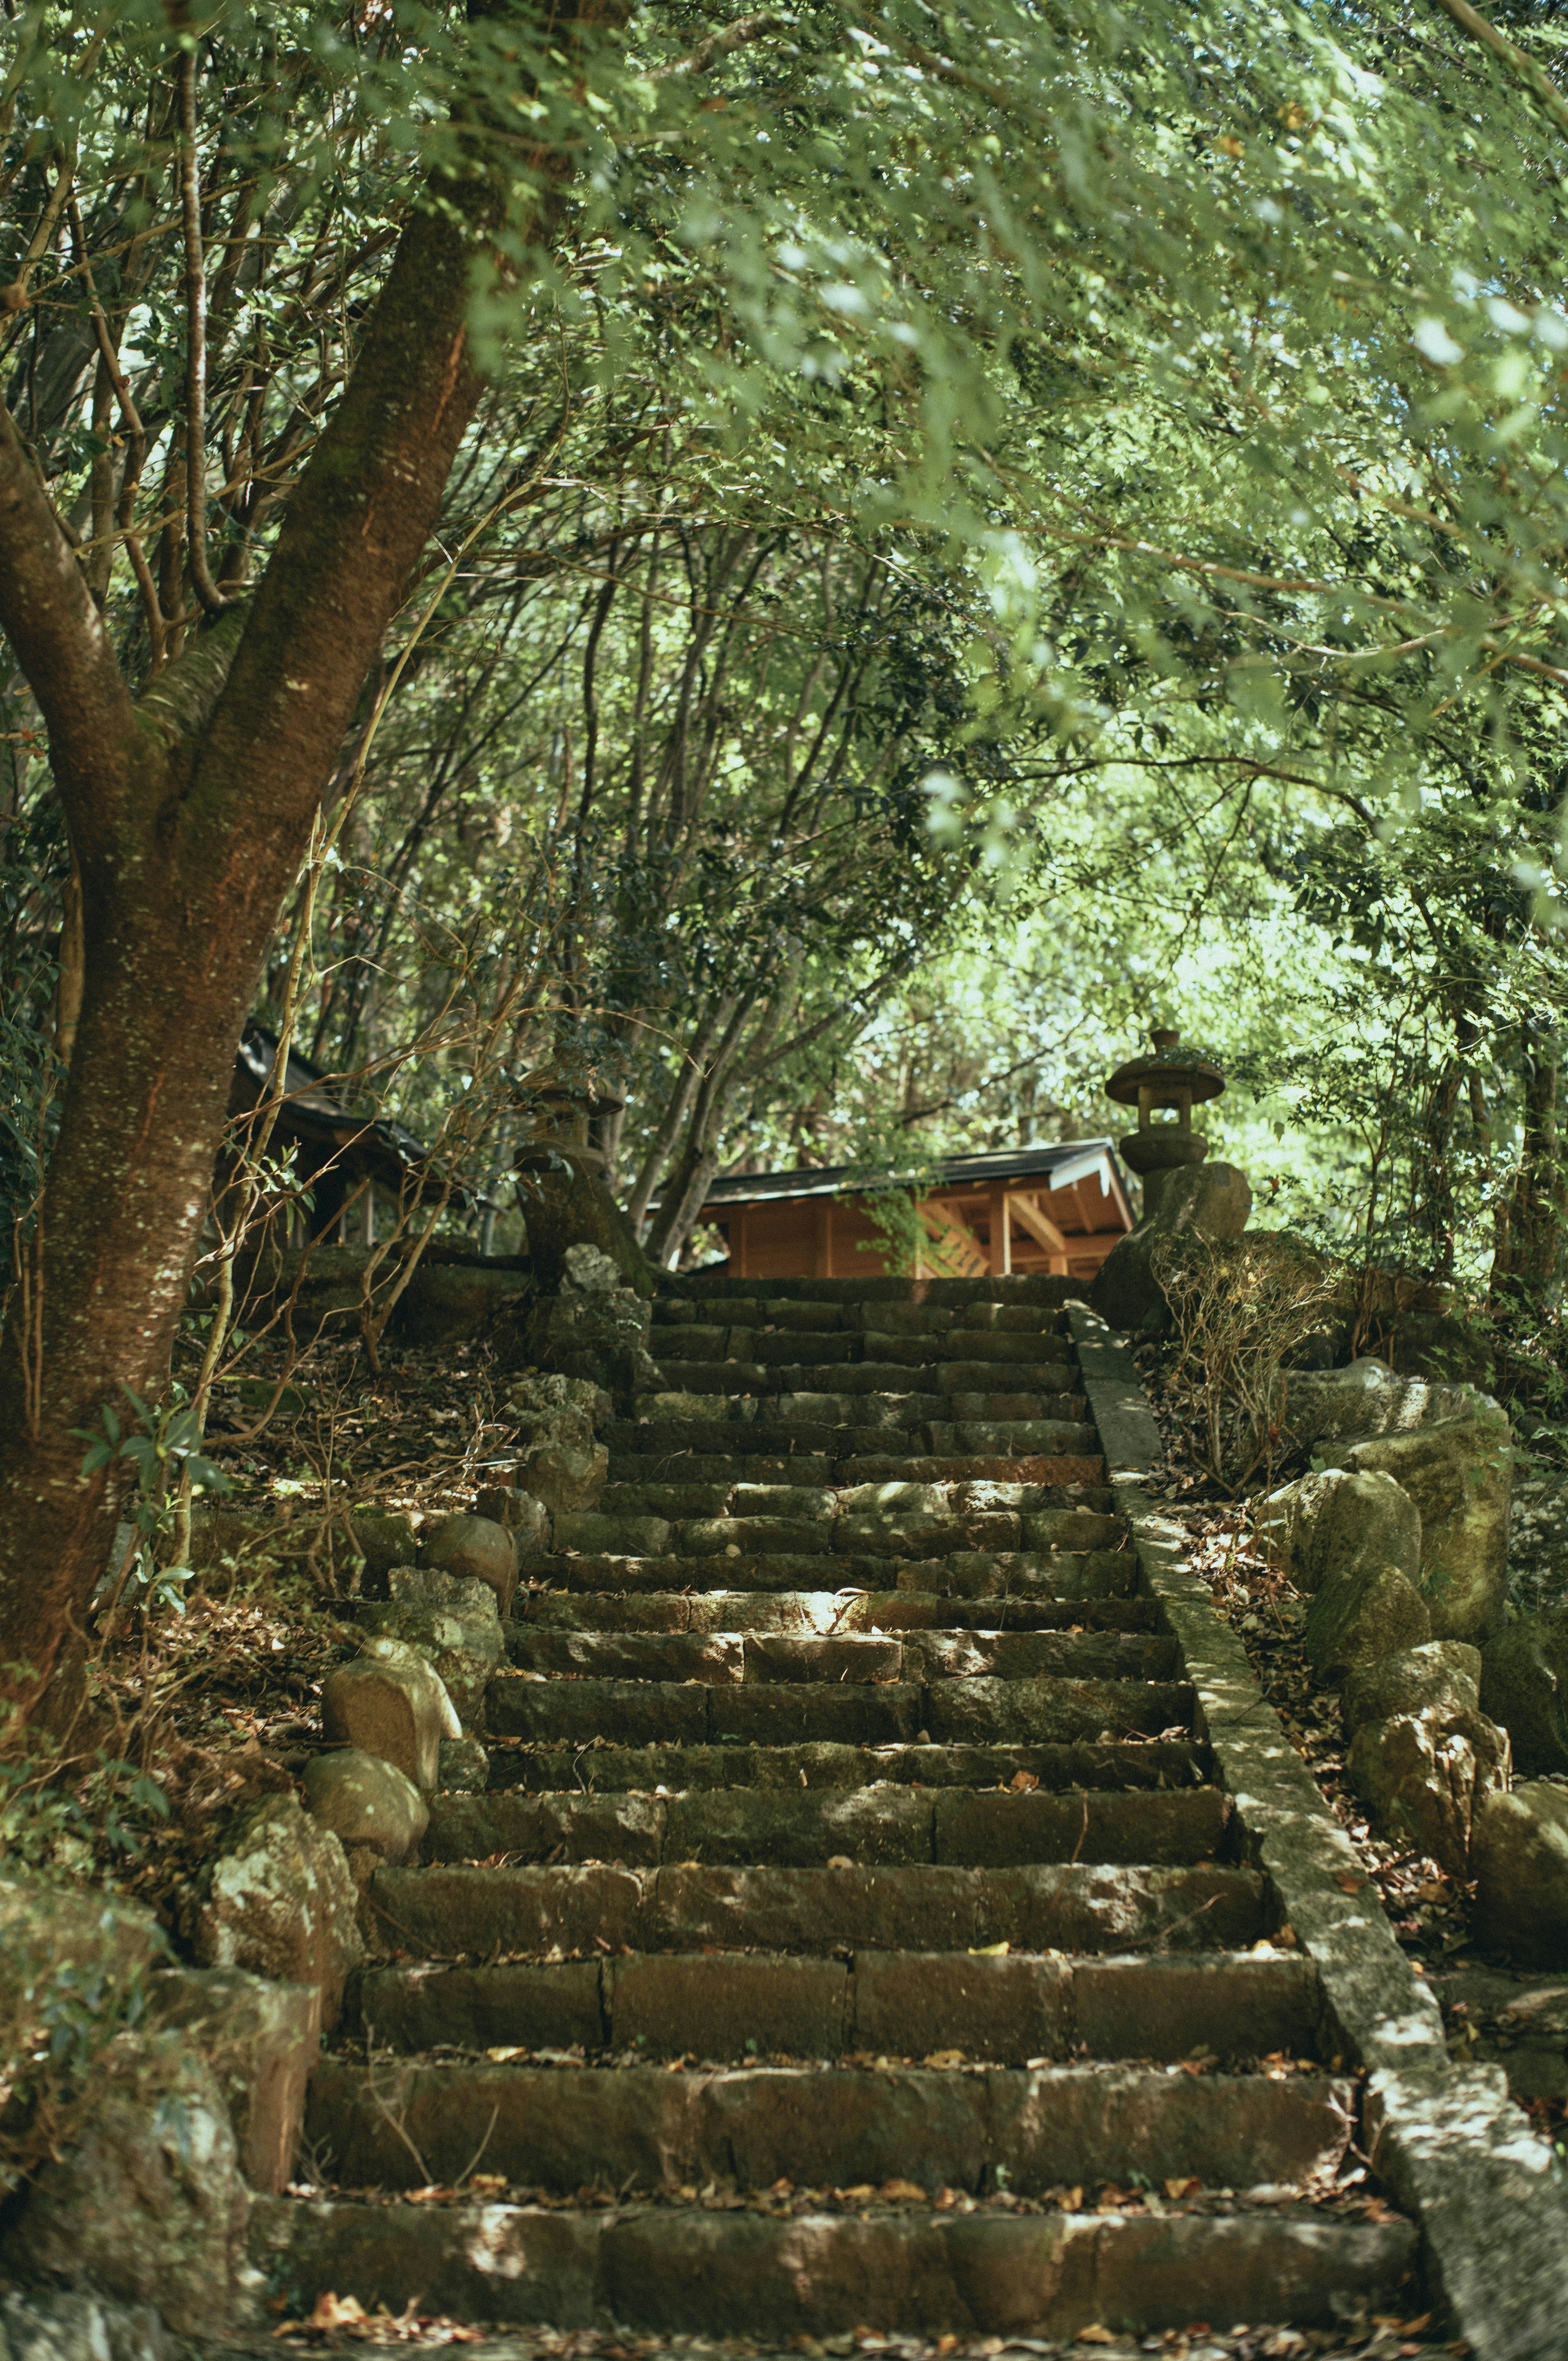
[{"x": 1241, "y": 1308}]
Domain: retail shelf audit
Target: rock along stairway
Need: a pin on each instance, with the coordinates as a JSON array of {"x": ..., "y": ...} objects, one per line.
[{"x": 862, "y": 1901}]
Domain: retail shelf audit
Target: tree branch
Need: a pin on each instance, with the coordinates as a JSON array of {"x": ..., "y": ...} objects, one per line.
[
  {"x": 1539, "y": 84},
  {"x": 47, "y": 613},
  {"x": 720, "y": 44}
]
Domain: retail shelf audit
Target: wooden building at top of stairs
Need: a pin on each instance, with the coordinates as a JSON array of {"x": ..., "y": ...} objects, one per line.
[{"x": 1055, "y": 1207}]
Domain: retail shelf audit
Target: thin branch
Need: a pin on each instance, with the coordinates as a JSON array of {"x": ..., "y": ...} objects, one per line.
[
  {"x": 206, "y": 589},
  {"x": 720, "y": 44}
]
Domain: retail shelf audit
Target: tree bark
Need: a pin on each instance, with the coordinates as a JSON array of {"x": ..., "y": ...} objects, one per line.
[
  {"x": 1528, "y": 1253},
  {"x": 189, "y": 814}
]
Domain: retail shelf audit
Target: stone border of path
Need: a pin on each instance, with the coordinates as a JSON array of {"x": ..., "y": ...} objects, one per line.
[{"x": 1447, "y": 2140}]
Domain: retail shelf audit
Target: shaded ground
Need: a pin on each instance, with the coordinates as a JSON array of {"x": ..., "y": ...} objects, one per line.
[{"x": 1375, "y": 2341}]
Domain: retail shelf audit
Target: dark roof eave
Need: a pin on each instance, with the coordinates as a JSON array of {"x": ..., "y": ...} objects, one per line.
[{"x": 1059, "y": 1161}]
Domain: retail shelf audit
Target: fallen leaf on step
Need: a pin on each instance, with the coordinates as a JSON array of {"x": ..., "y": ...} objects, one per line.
[
  {"x": 1023, "y": 1782},
  {"x": 504, "y": 2056},
  {"x": 988, "y": 1951},
  {"x": 337, "y": 2311},
  {"x": 1184, "y": 2188},
  {"x": 944, "y": 2057},
  {"x": 840, "y": 1860},
  {"x": 1094, "y": 2335},
  {"x": 904, "y": 2192}
]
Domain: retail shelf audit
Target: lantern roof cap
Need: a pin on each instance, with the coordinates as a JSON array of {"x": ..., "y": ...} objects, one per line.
[{"x": 1170, "y": 1066}]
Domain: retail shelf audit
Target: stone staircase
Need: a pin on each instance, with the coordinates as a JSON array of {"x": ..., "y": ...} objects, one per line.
[{"x": 853, "y": 1904}]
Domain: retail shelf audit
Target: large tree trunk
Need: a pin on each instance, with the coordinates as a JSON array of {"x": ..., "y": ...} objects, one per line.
[{"x": 189, "y": 815}]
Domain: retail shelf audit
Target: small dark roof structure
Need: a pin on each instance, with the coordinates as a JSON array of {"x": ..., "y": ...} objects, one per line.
[{"x": 337, "y": 1148}]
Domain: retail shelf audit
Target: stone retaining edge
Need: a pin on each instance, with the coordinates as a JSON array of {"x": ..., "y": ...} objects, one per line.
[{"x": 1456, "y": 2153}]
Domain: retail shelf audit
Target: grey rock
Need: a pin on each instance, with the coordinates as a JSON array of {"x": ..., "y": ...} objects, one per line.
[
  {"x": 472, "y": 1549},
  {"x": 1335, "y": 1521},
  {"x": 525, "y": 1517},
  {"x": 597, "y": 1338},
  {"x": 80, "y": 2328},
  {"x": 1441, "y": 1672},
  {"x": 423, "y": 1586},
  {"x": 365, "y": 1801},
  {"x": 1519, "y": 1855},
  {"x": 465, "y": 1767},
  {"x": 462, "y": 1645},
  {"x": 143, "y": 2199},
  {"x": 1357, "y": 1617},
  {"x": 1204, "y": 1201},
  {"x": 261, "y": 2040},
  {"x": 1524, "y": 1685},
  {"x": 384, "y": 1541},
  {"x": 1329, "y": 1411},
  {"x": 279, "y": 1902},
  {"x": 391, "y": 1702},
  {"x": 563, "y": 1465},
  {"x": 1460, "y": 1474},
  {"x": 1424, "y": 1776},
  {"x": 50, "y": 1932}
]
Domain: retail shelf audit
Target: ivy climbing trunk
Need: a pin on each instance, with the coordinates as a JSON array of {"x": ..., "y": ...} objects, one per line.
[{"x": 189, "y": 812}]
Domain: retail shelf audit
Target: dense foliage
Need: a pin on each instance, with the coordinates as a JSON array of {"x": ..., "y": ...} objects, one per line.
[{"x": 985, "y": 530}]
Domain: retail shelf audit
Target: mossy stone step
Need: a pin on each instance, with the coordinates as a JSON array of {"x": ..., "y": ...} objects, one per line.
[
  {"x": 737, "y": 2004},
  {"x": 734, "y": 2271},
  {"x": 396, "y": 2123},
  {"x": 844, "y": 1657},
  {"x": 866, "y": 1825},
  {"x": 443, "y": 1912},
  {"x": 978, "y": 1711},
  {"x": 1171, "y": 1763},
  {"x": 820, "y": 1612},
  {"x": 636, "y": 1465}
]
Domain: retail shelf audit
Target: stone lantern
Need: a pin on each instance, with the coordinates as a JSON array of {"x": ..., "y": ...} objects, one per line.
[
  {"x": 1175, "y": 1077},
  {"x": 562, "y": 1112}
]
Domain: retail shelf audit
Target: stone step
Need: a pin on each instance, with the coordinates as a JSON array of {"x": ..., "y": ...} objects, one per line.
[
  {"x": 1079, "y": 1558},
  {"x": 594, "y": 1570},
  {"x": 901, "y": 2004},
  {"x": 844, "y": 1658},
  {"x": 1061, "y": 1470},
  {"x": 738, "y": 2271},
  {"x": 886, "y": 1319},
  {"x": 400, "y": 2125},
  {"x": 635, "y": 1465},
  {"x": 1137, "y": 1762},
  {"x": 677, "y": 1498},
  {"x": 767, "y": 1346},
  {"x": 973, "y": 1296},
  {"x": 492, "y": 1912},
  {"x": 1089, "y": 1541},
  {"x": 822, "y": 1611},
  {"x": 849, "y": 1533},
  {"x": 979, "y": 1711},
  {"x": 881, "y": 1826},
  {"x": 850, "y": 1380}
]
